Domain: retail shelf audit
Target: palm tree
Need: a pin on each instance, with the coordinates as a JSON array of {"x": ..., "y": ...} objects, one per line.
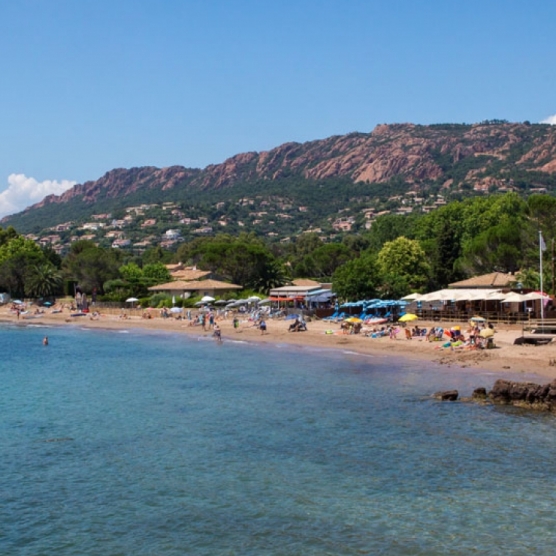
[{"x": 43, "y": 280}]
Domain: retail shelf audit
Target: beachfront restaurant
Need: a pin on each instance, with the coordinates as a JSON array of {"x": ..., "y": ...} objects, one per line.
[
  {"x": 497, "y": 297},
  {"x": 185, "y": 289},
  {"x": 312, "y": 297}
]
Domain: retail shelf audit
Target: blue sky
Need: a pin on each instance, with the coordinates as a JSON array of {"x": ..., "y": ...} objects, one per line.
[{"x": 91, "y": 85}]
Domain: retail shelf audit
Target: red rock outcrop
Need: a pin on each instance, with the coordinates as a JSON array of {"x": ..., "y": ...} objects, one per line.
[{"x": 412, "y": 152}]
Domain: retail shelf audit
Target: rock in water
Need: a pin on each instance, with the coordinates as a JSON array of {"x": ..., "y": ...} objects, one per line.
[
  {"x": 479, "y": 394},
  {"x": 447, "y": 396}
]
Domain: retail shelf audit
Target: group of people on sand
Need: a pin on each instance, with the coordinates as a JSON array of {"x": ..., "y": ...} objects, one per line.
[{"x": 299, "y": 325}]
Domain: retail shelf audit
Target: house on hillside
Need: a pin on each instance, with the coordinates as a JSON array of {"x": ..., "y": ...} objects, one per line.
[{"x": 172, "y": 235}]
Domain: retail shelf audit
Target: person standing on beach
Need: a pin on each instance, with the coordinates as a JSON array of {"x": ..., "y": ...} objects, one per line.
[
  {"x": 262, "y": 326},
  {"x": 217, "y": 333}
]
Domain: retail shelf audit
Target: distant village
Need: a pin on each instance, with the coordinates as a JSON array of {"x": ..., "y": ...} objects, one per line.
[{"x": 137, "y": 228}]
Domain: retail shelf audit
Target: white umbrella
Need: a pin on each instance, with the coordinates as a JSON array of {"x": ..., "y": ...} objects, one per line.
[
  {"x": 515, "y": 297},
  {"x": 412, "y": 297},
  {"x": 176, "y": 310},
  {"x": 253, "y": 299},
  {"x": 131, "y": 300},
  {"x": 534, "y": 296},
  {"x": 496, "y": 296},
  {"x": 440, "y": 295},
  {"x": 207, "y": 299}
]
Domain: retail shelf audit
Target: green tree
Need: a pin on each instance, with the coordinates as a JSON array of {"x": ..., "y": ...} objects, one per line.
[
  {"x": 43, "y": 280},
  {"x": 17, "y": 256},
  {"x": 500, "y": 248},
  {"x": 156, "y": 273},
  {"x": 243, "y": 260},
  {"x": 403, "y": 261},
  {"x": 357, "y": 279},
  {"x": 91, "y": 266},
  {"x": 389, "y": 227},
  {"x": 156, "y": 255},
  {"x": 327, "y": 258}
]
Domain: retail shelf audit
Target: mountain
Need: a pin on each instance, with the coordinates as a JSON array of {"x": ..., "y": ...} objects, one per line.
[{"x": 448, "y": 159}]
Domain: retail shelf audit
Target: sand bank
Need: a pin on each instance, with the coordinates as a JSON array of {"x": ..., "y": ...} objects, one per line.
[{"x": 506, "y": 356}]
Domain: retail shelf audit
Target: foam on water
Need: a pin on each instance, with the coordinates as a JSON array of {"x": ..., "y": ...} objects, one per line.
[{"x": 147, "y": 443}]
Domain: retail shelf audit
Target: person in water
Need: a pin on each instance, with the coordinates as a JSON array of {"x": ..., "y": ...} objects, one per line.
[{"x": 45, "y": 341}]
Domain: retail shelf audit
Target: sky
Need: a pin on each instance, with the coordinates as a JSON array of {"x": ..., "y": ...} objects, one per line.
[{"x": 92, "y": 85}]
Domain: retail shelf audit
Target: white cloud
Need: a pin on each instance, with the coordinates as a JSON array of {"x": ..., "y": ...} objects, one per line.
[
  {"x": 550, "y": 120},
  {"x": 23, "y": 191}
]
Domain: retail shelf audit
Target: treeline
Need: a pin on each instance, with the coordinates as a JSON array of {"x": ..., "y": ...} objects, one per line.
[{"x": 398, "y": 255}]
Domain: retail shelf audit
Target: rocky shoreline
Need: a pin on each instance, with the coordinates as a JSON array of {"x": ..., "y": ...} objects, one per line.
[{"x": 527, "y": 395}]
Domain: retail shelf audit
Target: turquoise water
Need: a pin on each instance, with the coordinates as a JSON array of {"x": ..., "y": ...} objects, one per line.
[{"x": 146, "y": 444}]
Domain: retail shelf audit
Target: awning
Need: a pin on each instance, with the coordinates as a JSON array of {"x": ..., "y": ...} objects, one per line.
[{"x": 321, "y": 292}]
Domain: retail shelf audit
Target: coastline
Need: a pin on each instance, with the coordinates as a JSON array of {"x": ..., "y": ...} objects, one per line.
[{"x": 506, "y": 358}]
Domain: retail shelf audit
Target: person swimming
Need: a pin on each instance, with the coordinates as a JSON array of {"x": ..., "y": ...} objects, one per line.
[{"x": 45, "y": 341}]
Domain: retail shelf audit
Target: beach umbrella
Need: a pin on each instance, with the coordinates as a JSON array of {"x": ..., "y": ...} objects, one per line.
[
  {"x": 17, "y": 301},
  {"x": 176, "y": 310},
  {"x": 534, "y": 296},
  {"x": 408, "y": 317},
  {"x": 207, "y": 299},
  {"x": 131, "y": 300},
  {"x": 486, "y": 333},
  {"x": 476, "y": 318},
  {"x": 353, "y": 320},
  {"x": 47, "y": 303},
  {"x": 253, "y": 299},
  {"x": 514, "y": 297},
  {"x": 412, "y": 297}
]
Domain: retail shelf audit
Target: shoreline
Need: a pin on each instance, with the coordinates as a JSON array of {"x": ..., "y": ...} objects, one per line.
[{"x": 506, "y": 358}]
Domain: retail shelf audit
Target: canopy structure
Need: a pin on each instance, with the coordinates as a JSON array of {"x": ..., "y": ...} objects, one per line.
[
  {"x": 413, "y": 297},
  {"x": 515, "y": 297},
  {"x": 475, "y": 294},
  {"x": 534, "y": 296},
  {"x": 322, "y": 295}
]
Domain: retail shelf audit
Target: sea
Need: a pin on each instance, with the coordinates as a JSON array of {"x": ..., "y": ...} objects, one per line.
[{"x": 143, "y": 443}]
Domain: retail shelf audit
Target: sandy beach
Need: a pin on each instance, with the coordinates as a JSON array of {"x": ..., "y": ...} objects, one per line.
[{"x": 505, "y": 357}]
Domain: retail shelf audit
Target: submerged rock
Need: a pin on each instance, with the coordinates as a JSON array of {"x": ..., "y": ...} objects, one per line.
[
  {"x": 479, "y": 394},
  {"x": 447, "y": 396}
]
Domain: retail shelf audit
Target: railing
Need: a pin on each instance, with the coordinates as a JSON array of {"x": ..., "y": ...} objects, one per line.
[{"x": 496, "y": 317}]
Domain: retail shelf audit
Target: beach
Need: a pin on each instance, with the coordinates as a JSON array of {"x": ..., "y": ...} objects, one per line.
[{"x": 505, "y": 356}]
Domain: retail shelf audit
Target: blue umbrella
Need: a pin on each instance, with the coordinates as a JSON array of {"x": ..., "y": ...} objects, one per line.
[{"x": 47, "y": 303}]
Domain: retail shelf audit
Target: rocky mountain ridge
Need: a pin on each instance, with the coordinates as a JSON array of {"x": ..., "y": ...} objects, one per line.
[{"x": 450, "y": 156}]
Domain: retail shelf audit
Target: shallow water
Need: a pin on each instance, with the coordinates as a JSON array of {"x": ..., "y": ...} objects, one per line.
[{"x": 141, "y": 443}]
